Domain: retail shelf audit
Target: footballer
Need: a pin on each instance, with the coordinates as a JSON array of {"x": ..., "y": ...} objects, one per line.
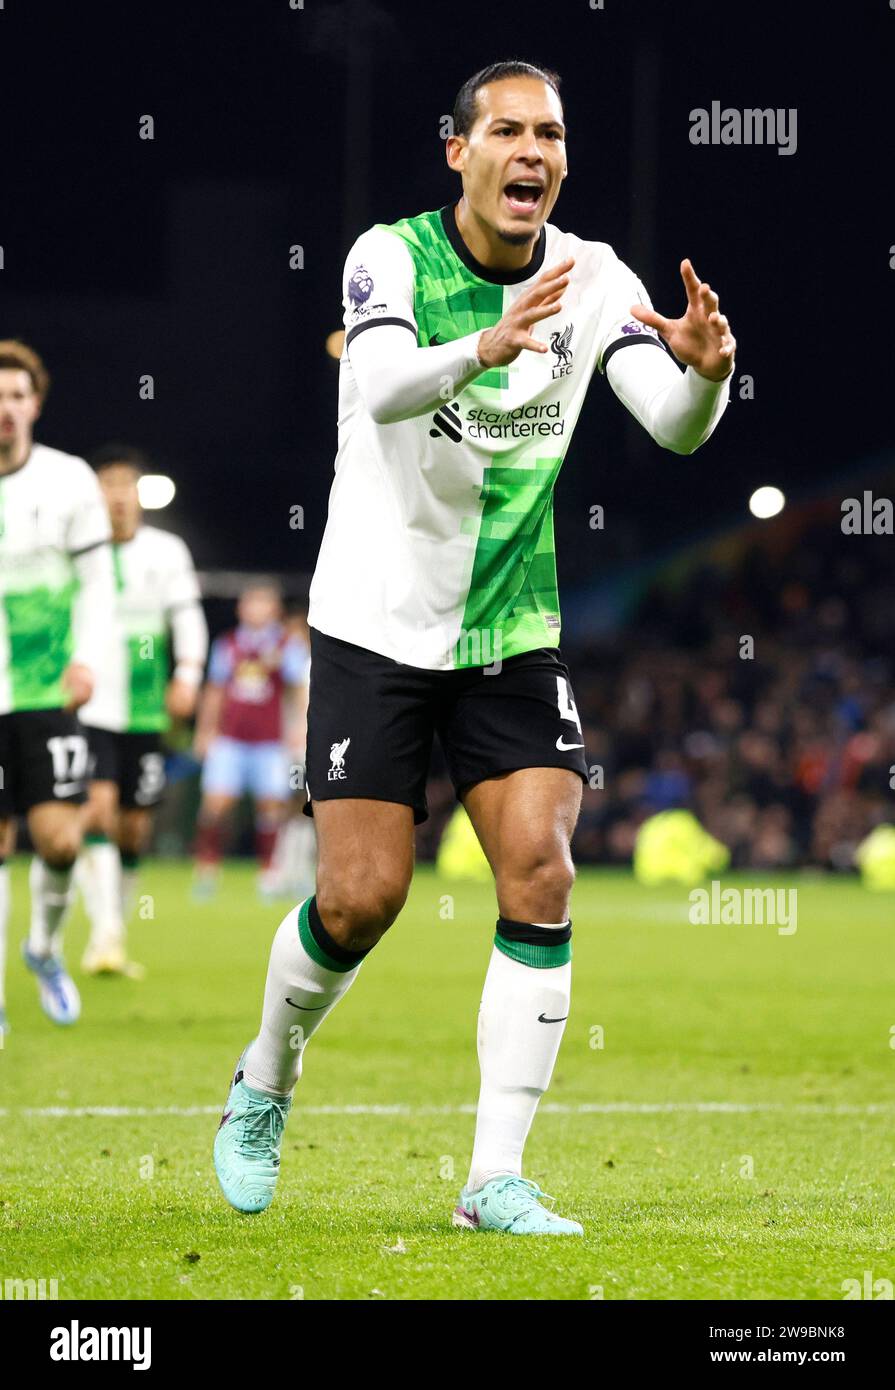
[
  {"x": 55, "y": 605},
  {"x": 158, "y": 614},
  {"x": 250, "y": 724},
  {"x": 471, "y": 335}
]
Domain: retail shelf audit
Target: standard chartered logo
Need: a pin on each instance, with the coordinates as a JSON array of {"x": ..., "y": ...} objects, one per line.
[{"x": 525, "y": 422}]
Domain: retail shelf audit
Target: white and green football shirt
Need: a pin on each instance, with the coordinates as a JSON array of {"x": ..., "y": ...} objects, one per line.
[
  {"x": 51, "y": 512},
  {"x": 438, "y": 550},
  {"x": 154, "y": 581}
]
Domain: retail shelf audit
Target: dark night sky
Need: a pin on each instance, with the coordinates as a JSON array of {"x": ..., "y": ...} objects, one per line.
[{"x": 124, "y": 257}]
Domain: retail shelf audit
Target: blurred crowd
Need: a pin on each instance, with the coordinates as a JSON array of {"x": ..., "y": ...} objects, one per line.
[{"x": 783, "y": 747}]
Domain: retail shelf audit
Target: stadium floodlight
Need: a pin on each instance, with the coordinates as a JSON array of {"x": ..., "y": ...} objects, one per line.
[
  {"x": 155, "y": 491},
  {"x": 766, "y": 501}
]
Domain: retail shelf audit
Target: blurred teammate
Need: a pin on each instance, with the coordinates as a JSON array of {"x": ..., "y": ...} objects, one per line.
[
  {"x": 157, "y": 608},
  {"x": 292, "y": 865},
  {"x": 472, "y": 333},
  {"x": 55, "y": 607},
  {"x": 252, "y": 707}
]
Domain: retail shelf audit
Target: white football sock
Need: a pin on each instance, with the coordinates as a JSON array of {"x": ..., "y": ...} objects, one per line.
[
  {"x": 517, "y": 1051},
  {"x": 4, "y": 917},
  {"x": 98, "y": 875},
  {"x": 50, "y": 900},
  {"x": 273, "y": 1061}
]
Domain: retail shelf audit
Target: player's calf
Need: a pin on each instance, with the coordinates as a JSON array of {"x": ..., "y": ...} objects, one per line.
[{"x": 360, "y": 903}]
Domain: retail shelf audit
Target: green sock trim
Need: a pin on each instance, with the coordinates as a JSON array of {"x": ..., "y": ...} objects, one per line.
[
  {"x": 317, "y": 954},
  {"x": 129, "y": 860},
  {"x": 95, "y": 837},
  {"x": 540, "y": 957}
]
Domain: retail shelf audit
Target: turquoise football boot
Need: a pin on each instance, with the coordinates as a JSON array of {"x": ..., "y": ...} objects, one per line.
[
  {"x": 511, "y": 1204},
  {"x": 247, "y": 1144}
]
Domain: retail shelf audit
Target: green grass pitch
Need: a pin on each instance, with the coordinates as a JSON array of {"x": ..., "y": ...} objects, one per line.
[{"x": 720, "y": 1119}]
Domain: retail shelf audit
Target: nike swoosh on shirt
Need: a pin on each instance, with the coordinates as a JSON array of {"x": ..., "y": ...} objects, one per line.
[
  {"x": 563, "y": 746},
  {"x": 542, "y": 1019},
  {"x": 306, "y": 1008}
]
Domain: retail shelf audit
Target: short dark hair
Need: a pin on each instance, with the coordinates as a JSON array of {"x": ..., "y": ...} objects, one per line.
[
  {"x": 465, "y": 107},
  {"x": 108, "y": 455}
]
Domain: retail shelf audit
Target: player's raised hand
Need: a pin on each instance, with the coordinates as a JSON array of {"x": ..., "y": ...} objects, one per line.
[
  {"x": 503, "y": 343},
  {"x": 702, "y": 338}
]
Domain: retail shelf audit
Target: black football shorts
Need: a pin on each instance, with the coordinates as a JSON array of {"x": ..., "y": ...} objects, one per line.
[
  {"x": 371, "y": 722},
  {"x": 134, "y": 762},
  {"x": 43, "y": 757}
]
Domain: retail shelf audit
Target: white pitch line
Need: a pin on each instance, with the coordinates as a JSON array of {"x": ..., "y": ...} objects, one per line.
[{"x": 620, "y": 1107}]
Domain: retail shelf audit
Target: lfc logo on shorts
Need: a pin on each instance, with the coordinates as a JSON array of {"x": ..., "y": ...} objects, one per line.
[{"x": 337, "y": 757}]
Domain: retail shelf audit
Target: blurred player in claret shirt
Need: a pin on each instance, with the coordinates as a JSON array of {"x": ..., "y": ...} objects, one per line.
[
  {"x": 250, "y": 727},
  {"x": 138, "y": 691},
  {"x": 295, "y": 852}
]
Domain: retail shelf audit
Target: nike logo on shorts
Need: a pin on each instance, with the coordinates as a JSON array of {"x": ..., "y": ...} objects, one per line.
[
  {"x": 542, "y": 1019},
  {"x": 564, "y": 747}
]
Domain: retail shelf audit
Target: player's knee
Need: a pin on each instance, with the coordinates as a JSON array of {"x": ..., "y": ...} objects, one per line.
[
  {"x": 60, "y": 846},
  {"x": 129, "y": 841},
  {"x": 539, "y": 882},
  {"x": 358, "y": 906},
  {"x": 100, "y": 814},
  {"x": 132, "y": 831}
]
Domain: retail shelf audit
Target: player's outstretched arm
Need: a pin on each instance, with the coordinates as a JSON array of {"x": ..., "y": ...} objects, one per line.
[
  {"x": 398, "y": 380},
  {"x": 679, "y": 409},
  {"x": 189, "y": 639},
  {"x": 701, "y": 338}
]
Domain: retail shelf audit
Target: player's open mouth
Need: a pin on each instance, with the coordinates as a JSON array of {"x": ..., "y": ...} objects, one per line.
[{"x": 523, "y": 195}]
